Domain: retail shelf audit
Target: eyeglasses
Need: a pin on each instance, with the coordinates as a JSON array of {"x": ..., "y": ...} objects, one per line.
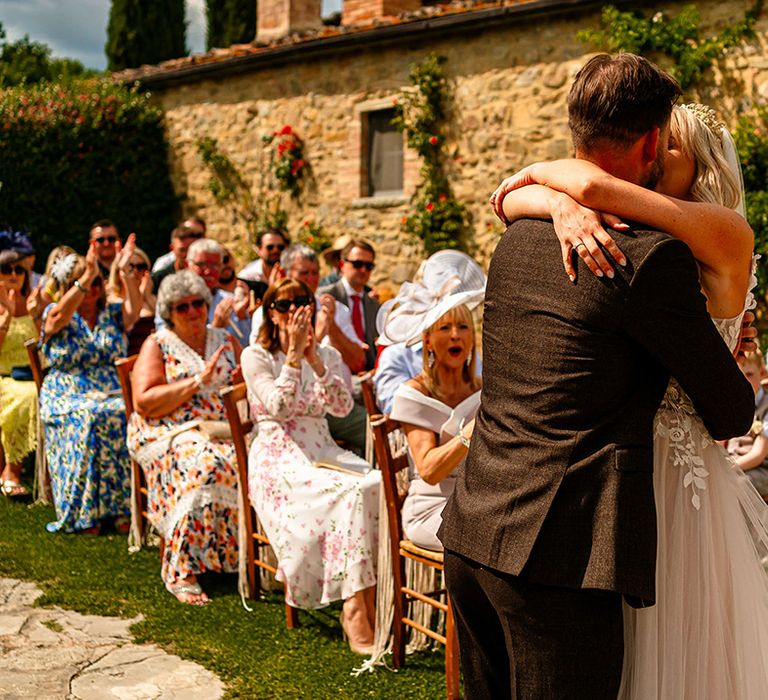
[
  {"x": 103, "y": 240},
  {"x": 275, "y": 246},
  {"x": 205, "y": 265},
  {"x": 360, "y": 264},
  {"x": 184, "y": 307},
  {"x": 12, "y": 270},
  {"x": 225, "y": 260},
  {"x": 138, "y": 267},
  {"x": 283, "y": 305}
]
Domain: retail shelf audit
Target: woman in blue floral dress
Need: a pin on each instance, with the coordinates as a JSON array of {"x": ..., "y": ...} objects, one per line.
[{"x": 81, "y": 408}]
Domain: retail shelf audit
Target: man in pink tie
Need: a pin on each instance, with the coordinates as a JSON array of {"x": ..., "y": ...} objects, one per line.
[{"x": 353, "y": 291}]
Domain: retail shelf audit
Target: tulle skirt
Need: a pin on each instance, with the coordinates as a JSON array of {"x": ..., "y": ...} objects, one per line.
[{"x": 707, "y": 636}]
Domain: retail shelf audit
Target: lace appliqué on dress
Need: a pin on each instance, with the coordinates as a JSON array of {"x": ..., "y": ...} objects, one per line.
[{"x": 676, "y": 414}]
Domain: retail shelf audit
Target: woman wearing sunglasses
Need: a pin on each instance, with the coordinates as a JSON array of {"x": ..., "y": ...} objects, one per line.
[
  {"x": 134, "y": 262},
  {"x": 318, "y": 503},
  {"x": 81, "y": 407},
  {"x": 174, "y": 434},
  {"x": 18, "y": 395}
]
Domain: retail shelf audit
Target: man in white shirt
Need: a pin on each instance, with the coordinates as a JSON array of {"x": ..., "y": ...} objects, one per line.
[{"x": 269, "y": 246}]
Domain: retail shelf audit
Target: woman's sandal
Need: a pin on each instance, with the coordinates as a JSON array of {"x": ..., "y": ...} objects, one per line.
[
  {"x": 122, "y": 525},
  {"x": 362, "y": 649},
  {"x": 180, "y": 588},
  {"x": 13, "y": 489}
]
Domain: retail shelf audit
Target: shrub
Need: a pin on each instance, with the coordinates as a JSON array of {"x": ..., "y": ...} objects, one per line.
[{"x": 74, "y": 153}]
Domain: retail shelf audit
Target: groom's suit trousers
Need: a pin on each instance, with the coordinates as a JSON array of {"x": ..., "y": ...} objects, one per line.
[{"x": 532, "y": 642}]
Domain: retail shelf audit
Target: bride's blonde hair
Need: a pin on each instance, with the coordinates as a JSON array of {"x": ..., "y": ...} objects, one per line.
[{"x": 699, "y": 134}]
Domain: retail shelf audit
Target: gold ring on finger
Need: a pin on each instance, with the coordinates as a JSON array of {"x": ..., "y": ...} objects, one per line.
[{"x": 578, "y": 245}]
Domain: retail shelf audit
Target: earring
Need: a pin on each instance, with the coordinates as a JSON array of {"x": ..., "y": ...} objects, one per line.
[
  {"x": 431, "y": 359},
  {"x": 469, "y": 361}
]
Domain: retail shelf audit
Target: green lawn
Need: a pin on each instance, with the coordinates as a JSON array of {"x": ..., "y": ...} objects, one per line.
[{"x": 252, "y": 652}]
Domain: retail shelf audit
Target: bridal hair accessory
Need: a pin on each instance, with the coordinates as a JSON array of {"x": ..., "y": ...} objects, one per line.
[
  {"x": 62, "y": 268},
  {"x": 447, "y": 279},
  {"x": 707, "y": 116}
]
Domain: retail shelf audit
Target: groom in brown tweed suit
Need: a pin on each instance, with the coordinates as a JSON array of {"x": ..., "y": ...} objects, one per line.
[{"x": 552, "y": 520}]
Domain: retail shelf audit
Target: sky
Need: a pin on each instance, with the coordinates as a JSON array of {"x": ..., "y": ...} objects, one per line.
[{"x": 78, "y": 28}]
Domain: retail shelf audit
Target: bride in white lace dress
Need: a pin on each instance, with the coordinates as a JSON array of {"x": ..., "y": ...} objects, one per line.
[{"x": 707, "y": 636}]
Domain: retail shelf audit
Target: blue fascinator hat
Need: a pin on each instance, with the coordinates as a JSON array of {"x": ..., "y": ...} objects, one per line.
[{"x": 17, "y": 242}]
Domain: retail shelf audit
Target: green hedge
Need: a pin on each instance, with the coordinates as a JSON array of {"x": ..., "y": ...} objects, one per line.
[{"x": 74, "y": 153}]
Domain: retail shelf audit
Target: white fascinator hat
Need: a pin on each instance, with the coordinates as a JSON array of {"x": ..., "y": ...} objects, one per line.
[{"x": 448, "y": 279}]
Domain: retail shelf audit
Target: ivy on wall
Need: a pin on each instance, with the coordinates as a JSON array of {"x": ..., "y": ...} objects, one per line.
[
  {"x": 283, "y": 170},
  {"x": 438, "y": 218},
  {"x": 680, "y": 38}
]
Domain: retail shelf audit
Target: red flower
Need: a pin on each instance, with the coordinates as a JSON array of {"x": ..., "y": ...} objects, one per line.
[
  {"x": 430, "y": 206},
  {"x": 433, "y": 140},
  {"x": 281, "y": 148},
  {"x": 404, "y": 220},
  {"x": 442, "y": 198},
  {"x": 306, "y": 222},
  {"x": 286, "y": 130}
]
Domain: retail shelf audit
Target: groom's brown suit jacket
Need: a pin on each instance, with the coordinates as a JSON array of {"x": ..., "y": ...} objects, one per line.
[{"x": 558, "y": 484}]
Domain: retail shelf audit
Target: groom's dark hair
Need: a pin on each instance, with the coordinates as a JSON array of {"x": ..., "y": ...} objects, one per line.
[{"x": 616, "y": 99}]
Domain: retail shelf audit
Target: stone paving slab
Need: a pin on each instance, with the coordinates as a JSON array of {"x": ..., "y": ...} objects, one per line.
[{"x": 55, "y": 654}]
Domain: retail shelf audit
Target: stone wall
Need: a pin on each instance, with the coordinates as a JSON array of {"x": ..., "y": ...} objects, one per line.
[{"x": 509, "y": 109}]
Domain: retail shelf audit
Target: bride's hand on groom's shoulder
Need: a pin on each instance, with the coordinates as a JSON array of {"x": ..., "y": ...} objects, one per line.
[
  {"x": 582, "y": 231},
  {"x": 747, "y": 336}
]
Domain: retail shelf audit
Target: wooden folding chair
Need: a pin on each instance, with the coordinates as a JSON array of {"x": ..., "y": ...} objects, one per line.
[
  {"x": 139, "y": 492},
  {"x": 42, "y": 475},
  {"x": 254, "y": 540},
  {"x": 403, "y": 549}
]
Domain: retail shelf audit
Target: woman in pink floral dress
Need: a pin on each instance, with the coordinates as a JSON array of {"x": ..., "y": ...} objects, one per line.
[
  {"x": 321, "y": 522},
  {"x": 190, "y": 472}
]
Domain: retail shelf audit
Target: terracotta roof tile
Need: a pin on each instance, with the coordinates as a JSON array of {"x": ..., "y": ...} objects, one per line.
[{"x": 221, "y": 55}]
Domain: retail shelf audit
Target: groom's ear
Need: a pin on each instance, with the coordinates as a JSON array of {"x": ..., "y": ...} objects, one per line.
[{"x": 651, "y": 146}]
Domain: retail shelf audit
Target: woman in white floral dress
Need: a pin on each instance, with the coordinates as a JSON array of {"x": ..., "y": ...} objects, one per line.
[
  {"x": 321, "y": 522},
  {"x": 707, "y": 636}
]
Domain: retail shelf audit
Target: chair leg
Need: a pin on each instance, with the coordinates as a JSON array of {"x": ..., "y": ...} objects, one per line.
[
  {"x": 291, "y": 617},
  {"x": 452, "y": 687},
  {"x": 161, "y": 547}
]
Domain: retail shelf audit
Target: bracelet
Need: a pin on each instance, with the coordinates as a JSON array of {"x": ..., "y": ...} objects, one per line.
[
  {"x": 293, "y": 364},
  {"x": 80, "y": 287},
  {"x": 198, "y": 379},
  {"x": 463, "y": 439}
]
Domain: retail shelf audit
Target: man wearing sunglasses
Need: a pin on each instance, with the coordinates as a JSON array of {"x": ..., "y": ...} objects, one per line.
[
  {"x": 104, "y": 232},
  {"x": 181, "y": 238},
  {"x": 353, "y": 291},
  {"x": 270, "y": 245}
]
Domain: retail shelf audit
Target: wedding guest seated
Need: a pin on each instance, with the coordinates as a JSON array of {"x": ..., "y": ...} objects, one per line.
[
  {"x": 445, "y": 272},
  {"x": 134, "y": 262},
  {"x": 322, "y": 522},
  {"x": 81, "y": 407},
  {"x": 750, "y": 452},
  {"x": 176, "y": 434},
  {"x": 182, "y": 237},
  {"x": 18, "y": 394},
  {"x": 269, "y": 246},
  {"x": 333, "y": 326},
  {"x": 226, "y": 311},
  {"x": 437, "y": 410}
]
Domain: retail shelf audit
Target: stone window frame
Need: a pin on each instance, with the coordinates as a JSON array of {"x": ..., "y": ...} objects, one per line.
[{"x": 360, "y": 136}]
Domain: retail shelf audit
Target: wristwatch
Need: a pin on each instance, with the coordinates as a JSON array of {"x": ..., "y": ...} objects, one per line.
[
  {"x": 198, "y": 380},
  {"x": 79, "y": 286}
]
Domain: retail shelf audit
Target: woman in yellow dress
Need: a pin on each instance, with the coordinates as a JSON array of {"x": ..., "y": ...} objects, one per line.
[{"x": 18, "y": 395}]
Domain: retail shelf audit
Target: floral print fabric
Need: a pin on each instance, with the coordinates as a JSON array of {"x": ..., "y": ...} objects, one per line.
[
  {"x": 191, "y": 479},
  {"x": 83, "y": 417},
  {"x": 322, "y": 524}
]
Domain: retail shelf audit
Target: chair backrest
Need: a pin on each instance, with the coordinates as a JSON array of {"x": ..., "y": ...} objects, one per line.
[
  {"x": 240, "y": 428},
  {"x": 124, "y": 367},
  {"x": 369, "y": 394},
  {"x": 33, "y": 352},
  {"x": 383, "y": 427}
]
